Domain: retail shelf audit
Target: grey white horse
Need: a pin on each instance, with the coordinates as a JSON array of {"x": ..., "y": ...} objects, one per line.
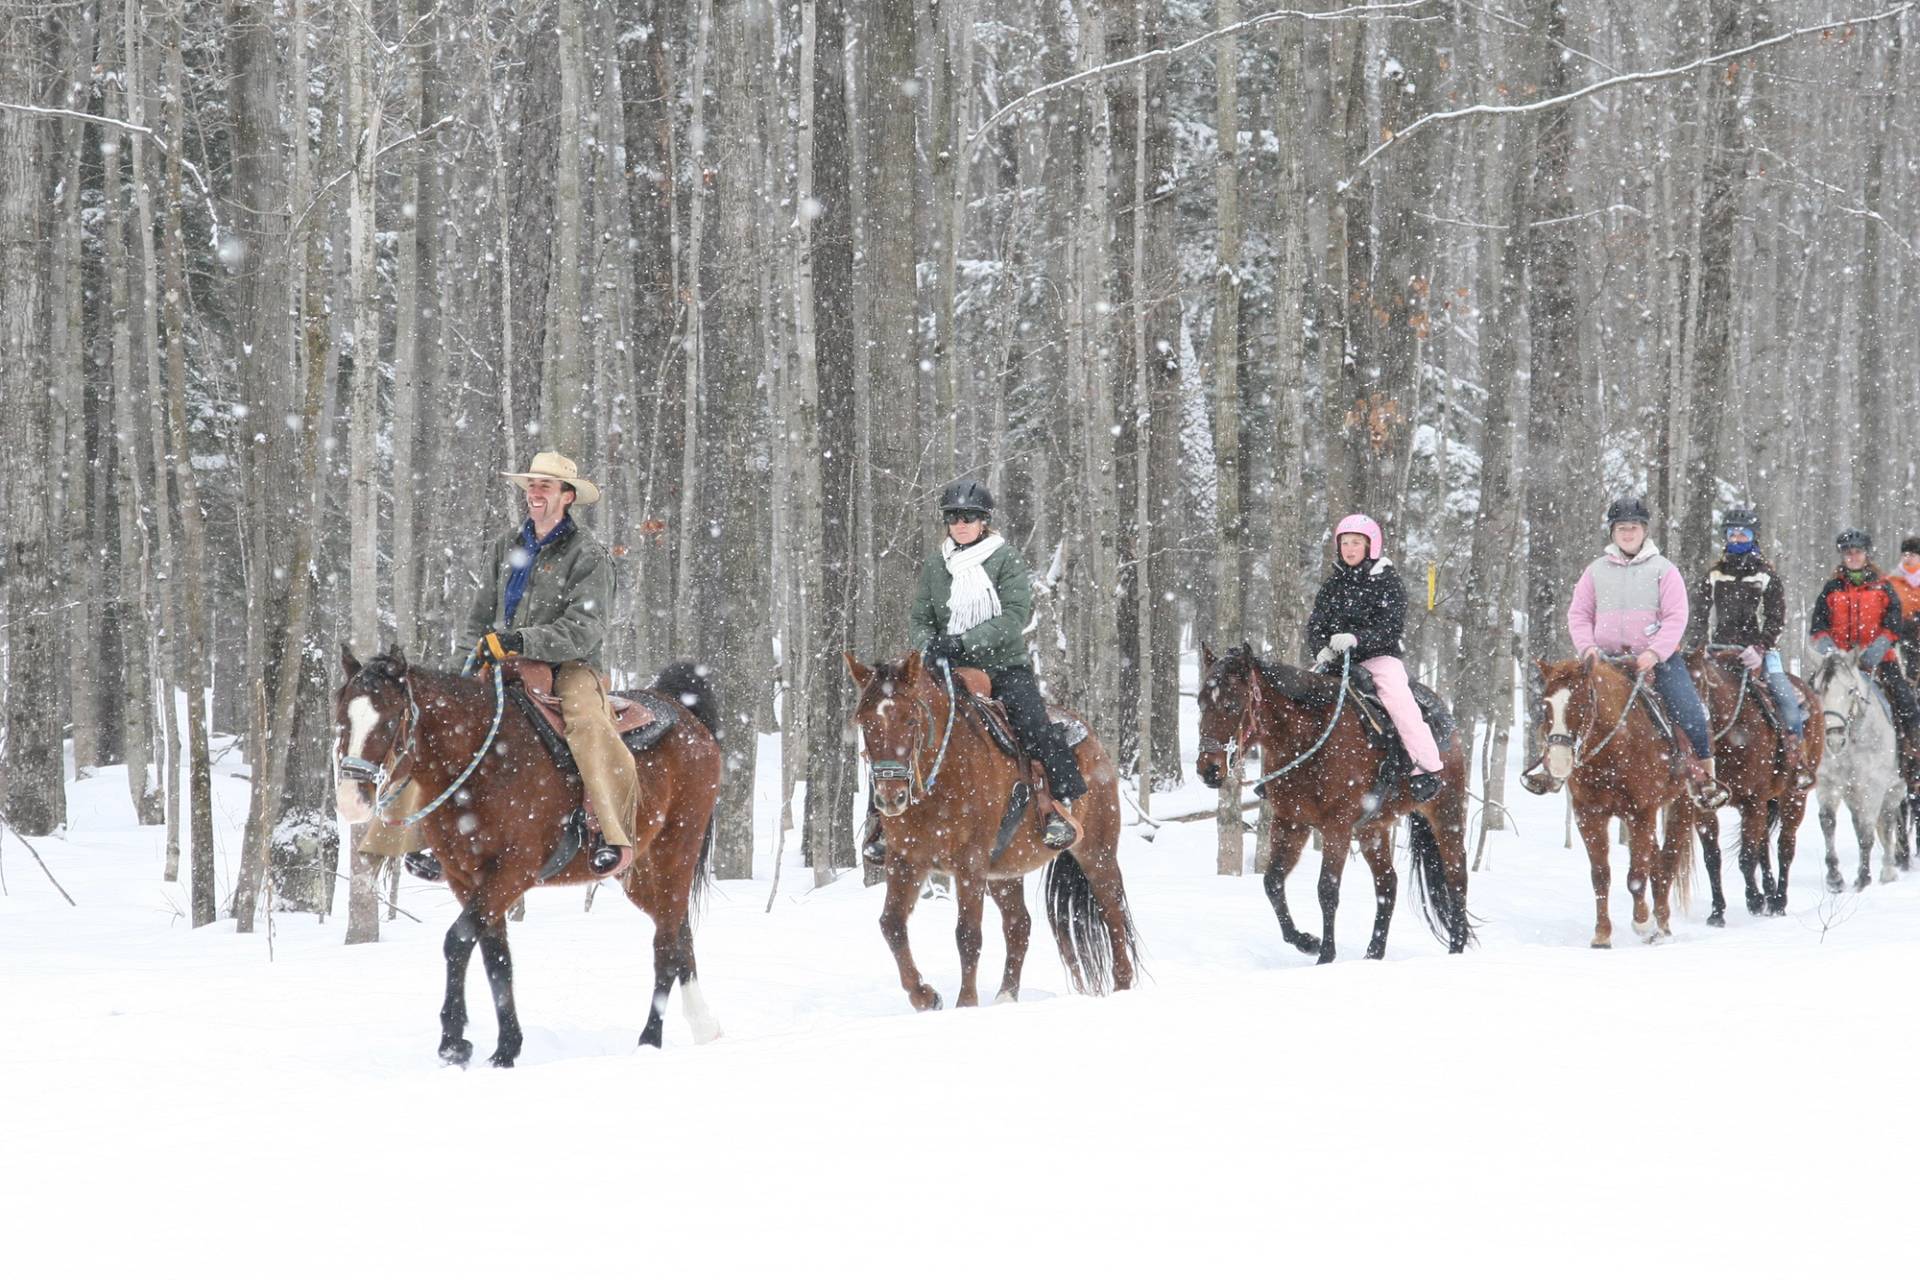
[{"x": 1861, "y": 768}]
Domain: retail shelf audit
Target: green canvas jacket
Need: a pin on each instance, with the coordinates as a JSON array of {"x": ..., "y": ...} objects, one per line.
[
  {"x": 564, "y": 612},
  {"x": 997, "y": 644}
]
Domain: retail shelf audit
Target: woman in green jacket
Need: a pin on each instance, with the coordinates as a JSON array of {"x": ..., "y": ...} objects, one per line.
[{"x": 971, "y": 609}]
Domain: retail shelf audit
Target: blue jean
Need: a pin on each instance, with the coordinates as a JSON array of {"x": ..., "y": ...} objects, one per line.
[
  {"x": 1792, "y": 714},
  {"x": 1683, "y": 702}
]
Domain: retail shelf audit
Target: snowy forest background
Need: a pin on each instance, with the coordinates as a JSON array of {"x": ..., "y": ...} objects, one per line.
[{"x": 286, "y": 284}]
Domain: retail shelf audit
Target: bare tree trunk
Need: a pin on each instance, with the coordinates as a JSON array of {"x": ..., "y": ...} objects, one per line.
[
  {"x": 1290, "y": 295},
  {"x": 563, "y": 379},
  {"x": 405, "y": 425},
  {"x": 192, "y": 565},
  {"x": 364, "y": 107},
  {"x": 1230, "y": 590},
  {"x": 1874, "y": 500},
  {"x": 36, "y": 797}
]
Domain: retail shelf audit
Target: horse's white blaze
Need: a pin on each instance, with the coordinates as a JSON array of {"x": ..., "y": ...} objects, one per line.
[
  {"x": 706, "y": 1027},
  {"x": 361, "y": 719},
  {"x": 1559, "y": 755}
]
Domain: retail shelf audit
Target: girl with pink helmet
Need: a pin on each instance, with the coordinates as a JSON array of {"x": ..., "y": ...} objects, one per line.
[{"x": 1361, "y": 611}]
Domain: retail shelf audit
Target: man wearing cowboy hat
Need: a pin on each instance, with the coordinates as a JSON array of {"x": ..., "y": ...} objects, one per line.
[{"x": 546, "y": 593}]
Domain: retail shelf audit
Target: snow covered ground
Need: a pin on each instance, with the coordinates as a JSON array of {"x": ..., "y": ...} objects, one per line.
[{"x": 198, "y": 1103}]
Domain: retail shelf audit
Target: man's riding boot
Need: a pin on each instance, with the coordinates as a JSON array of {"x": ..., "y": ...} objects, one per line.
[
  {"x": 425, "y": 866},
  {"x": 1536, "y": 779},
  {"x": 1796, "y": 753},
  {"x": 1424, "y": 787}
]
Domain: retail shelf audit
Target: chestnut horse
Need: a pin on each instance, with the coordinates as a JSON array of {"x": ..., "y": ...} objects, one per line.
[
  {"x": 503, "y": 804},
  {"x": 942, "y": 786},
  {"x": 1310, "y": 732},
  {"x": 1751, "y": 762},
  {"x": 1601, "y": 740}
]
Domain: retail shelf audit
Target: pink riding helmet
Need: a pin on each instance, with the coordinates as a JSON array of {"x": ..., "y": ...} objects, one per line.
[{"x": 1357, "y": 523}]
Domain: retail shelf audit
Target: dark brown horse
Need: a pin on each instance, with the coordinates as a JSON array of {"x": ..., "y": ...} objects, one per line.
[
  {"x": 1312, "y": 736},
  {"x": 942, "y": 786},
  {"x": 1600, "y": 738},
  {"x": 503, "y": 804},
  {"x": 1752, "y": 764}
]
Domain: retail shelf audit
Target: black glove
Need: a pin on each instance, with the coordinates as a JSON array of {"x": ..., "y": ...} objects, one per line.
[
  {"x": 945, "y": 648},
  {"x": 500, "y": 644}
]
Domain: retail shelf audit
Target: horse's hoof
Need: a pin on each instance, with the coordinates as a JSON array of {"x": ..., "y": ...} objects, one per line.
[
  {"x": 1601, "y": 944},
  {"x": 1376, "y": 953},
  {"x": 966, "y": 1000},
  {"x": 1718, "y": 920},
  {"x": 926, "y": 1000},
  {"x": 1325, "y": 957},
  {"x": 502, "y": 1059},
  {"x": 1862, "y": 883},
  {"x": 1836, "y": 885},
  {"x": 1008, "y": 995},
  {"x": 456, "y": 1053},
  {"x": 1306, "y": 944},
  {"x": 1776, "y": 906}
]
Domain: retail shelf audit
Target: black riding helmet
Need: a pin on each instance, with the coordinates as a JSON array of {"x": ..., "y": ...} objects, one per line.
[
  {"x": 966, "y": 495},
  {"x": 1850, "y": 538},
  {"x": 1742, "y": 518},
  {"x": 1631, "y": 510}
]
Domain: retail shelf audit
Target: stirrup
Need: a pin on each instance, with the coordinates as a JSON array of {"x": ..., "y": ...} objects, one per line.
[
  {"x": 1424, "y": 786},
  {"x": 610, "y": 859},
  {"x": 1058, "y": 833},
  {"x": 425, "y": 866}
]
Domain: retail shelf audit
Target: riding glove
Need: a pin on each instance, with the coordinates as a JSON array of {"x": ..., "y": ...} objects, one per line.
[
  {"x": 945, "y": 648},
  {"x": 1875, "y": 653},
  {"x": 501, "y": 644},
  {"x": 1343, "y": 641},
  {"x": 1325, "y": 658},
  {"x": 1751, "y": 658}
]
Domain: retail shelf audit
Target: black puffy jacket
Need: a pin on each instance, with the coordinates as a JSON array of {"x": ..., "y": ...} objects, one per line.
[{"x": 1366, "y": 599}]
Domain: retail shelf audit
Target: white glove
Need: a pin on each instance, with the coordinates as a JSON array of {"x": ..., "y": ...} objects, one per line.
[
  {"x": 1324, "y": 657},
  {"x": 1750, "y": 658},
  {"x": 1342, "y": 642}
]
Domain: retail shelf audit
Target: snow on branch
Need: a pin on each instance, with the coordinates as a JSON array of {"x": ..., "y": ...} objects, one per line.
[
  {"x": 1396, "y": 7},
  {"x": 1615, "y": 82}
]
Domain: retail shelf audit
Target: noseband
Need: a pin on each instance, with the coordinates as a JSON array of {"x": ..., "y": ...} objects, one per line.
[
  {"x": 1838, "y": 733},
  {"x": 908, "y": 770}
]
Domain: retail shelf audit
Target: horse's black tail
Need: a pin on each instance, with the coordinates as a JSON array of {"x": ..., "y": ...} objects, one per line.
[
  {"x": 687, "y": 683},
  {"x": 702, "y": 875},
  {"x": 1444, "y": 910},
  {"x": 1079, "y": 930}
]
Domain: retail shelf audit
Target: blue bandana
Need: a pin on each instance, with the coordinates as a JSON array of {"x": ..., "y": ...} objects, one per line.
[
  {"x": 524, "y": 553},
  {"x": 1746, "y": 548}
]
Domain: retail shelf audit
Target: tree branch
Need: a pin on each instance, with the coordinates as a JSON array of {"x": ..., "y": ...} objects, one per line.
[
  {"x": 1615, "y": 82},
  {"x": 1154, "y": 55}
]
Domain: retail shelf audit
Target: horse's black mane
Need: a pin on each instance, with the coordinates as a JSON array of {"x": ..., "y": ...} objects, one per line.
[{"x": 1307, "y": 688}]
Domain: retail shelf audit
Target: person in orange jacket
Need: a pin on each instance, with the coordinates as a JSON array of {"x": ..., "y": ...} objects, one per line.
[
  {"x": 1858, "y": 613},
  {"x": 1905, "y": 581}
]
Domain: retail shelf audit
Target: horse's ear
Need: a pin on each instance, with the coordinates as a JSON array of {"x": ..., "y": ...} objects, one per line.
[
  {"x": 393, "y": 651},
  {"x": 349, "y": 663},
  {"x": 910, "y": 670},
  {"x": 860, "y": 673},
  {"x": 1206, "y": 655}
]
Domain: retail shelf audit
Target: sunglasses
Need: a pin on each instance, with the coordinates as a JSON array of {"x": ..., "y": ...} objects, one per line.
[{"x": 965, "y": 517}]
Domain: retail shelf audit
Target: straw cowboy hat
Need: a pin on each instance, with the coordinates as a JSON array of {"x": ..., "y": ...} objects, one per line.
[{"x": 557, "y": 466}]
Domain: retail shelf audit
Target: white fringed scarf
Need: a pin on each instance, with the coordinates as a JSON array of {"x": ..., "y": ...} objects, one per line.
[{"x": 972, "y": 599}]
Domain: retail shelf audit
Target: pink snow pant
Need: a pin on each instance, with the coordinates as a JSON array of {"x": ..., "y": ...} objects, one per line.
[{"x": 1390, "y": 678}]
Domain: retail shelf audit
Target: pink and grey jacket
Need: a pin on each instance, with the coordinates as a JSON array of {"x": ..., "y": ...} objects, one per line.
[{"x": 1624, "y": 606}]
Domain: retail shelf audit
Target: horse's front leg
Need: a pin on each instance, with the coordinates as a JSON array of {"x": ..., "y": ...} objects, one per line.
[
  {"x": 499, "y": 963},
  {"x": 1333, "y": 862},
  {"x": 970, "y": 891},
  {"x": 1284, "y": 847},
  {"x": 1829, "y": 821},
  {"x": 458, "y": 949},
  {"x": 1593, "y": 834},
  {"x": 1863, "y": 828},
  {"x": 903, "y": 890},
  {"x": 1791, "y": 812},
  {"x": 1756, "y": 860},
  {"x": 1016, "y": 923},
  {"x": 1643, "y": 847}
]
